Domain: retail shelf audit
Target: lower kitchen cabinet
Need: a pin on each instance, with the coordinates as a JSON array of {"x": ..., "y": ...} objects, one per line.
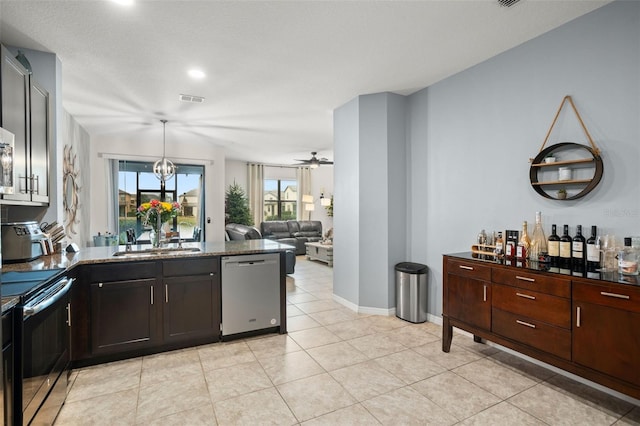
[
  {"x": 7, "y": 367},
  {"x": 124, "y": 315},
  {"x": 191, "y": 308}
]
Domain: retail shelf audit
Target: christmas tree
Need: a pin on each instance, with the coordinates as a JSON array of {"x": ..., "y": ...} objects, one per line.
[{"x": 237, "y": 206}]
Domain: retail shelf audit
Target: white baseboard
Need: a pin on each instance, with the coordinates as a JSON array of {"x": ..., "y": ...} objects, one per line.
[{"x": 364, "y": 309}]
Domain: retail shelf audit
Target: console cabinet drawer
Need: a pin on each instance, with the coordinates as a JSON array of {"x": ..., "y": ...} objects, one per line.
[
  {"x": 615, "y": 296},
  {"x": 530, "y": 332},
  {"x": 469, "y": 269},
  {"x": 544, "y": 284},
  {"x": 532, "y": 304}
]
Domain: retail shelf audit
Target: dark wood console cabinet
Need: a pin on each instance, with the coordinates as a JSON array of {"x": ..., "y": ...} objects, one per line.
[{"x": 589, "y": 327}]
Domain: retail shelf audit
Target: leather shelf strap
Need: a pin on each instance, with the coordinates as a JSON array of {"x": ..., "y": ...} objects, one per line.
[{"x": 565, "y": 99}]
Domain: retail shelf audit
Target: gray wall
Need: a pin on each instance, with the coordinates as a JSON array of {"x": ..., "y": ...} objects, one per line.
[{"x": 469, "y": 139}]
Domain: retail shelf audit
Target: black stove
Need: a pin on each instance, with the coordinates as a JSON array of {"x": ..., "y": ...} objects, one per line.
[{"x": 25, "y": 284}]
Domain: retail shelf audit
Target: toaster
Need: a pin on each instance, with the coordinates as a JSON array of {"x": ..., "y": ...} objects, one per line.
[{"x": 22, "y": 242}]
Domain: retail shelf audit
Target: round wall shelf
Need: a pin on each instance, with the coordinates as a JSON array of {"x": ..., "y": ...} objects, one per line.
[{"x": 583, "y": 161}]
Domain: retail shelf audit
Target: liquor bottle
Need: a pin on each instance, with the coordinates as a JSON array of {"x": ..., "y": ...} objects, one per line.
[
  {"x": 565, "y": 249},
  {"x": 499, "y": 250},
  {"x": 538, "y": 240},
  {"x": 554, "y": 246},
  {"x": 524, "y": 244},
  {"x": 578, "y": 251},
  {"x": 593, "y": 252}
]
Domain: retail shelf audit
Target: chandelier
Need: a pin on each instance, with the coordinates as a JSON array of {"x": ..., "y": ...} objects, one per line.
[{"x": 164, "y": 169}]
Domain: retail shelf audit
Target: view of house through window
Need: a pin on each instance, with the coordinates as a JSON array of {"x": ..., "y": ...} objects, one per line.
[
  {"x": 280, "y": 199},
  {"x": 137, "y": 184}
]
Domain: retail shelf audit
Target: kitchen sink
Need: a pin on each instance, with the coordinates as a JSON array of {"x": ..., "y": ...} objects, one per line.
[{"x": 157, "y": 251}]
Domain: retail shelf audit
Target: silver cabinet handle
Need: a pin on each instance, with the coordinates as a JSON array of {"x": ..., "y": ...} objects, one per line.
[
  {"x": 468, "y": 268},
  {"x": 531, "y": 280},
  {"x": 37, "y": 181},
  {"x": 526, "y": 296},
  {"x": 166, "y": 293},
  {"x": 485, "y": 292},
  {"x": 26, "y": 184},
  {"x": 151, "y": 294},
  {"x": 100, "y": 285},
  {"x": 69, "y": 314},
  {"x": 617, "y": 296},
  {"x": 578, "y": 316},
  {"x": 528, "y": 324}
]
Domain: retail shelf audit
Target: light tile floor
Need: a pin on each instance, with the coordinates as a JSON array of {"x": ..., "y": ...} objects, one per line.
[{"x": 336, "y": 367}]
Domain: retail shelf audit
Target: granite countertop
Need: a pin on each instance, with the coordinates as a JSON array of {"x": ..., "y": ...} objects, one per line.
[
  {"x": 603, "y": 276},
  {"x": 94, "y": 255}
]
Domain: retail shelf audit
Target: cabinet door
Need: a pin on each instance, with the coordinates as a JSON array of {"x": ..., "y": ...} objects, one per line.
[
  {"x": 597, "y": 327},
  {"x": 469, "y": 300},
  {"x": 40, "y": 130},
  {"x": 123, "y": 315},
  {"x": 191, "y": 307},
  {"x": 15, "y": 109}
]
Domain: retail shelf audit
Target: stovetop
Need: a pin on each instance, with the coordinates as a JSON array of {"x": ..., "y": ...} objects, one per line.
[{"x": 21, "y": 283}]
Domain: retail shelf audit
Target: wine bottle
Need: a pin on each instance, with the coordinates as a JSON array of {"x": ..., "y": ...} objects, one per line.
[
  {"x": 499, "y": 250},
  {"x": 538, "y": 240},
  {"x": 578, "y": 251},
  {"x": 554, "y": 246},
  {"x": 565, "y": 248},
  {"x": 593, "y": 252},
  {"x": 524, "y": 244}
]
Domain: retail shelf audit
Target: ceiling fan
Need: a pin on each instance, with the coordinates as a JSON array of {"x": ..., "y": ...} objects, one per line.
[{"x": 314, "y": 162}]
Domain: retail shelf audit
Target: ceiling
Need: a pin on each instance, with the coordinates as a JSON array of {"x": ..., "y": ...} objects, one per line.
[{"x": 275, "y": 70}]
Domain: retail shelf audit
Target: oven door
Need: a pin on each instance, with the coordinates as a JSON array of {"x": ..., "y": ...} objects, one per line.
[{"x": 45, "y": 353}]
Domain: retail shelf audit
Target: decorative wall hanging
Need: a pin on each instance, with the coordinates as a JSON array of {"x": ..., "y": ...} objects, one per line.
[
  {"x": 566, "y": 170},
  {"x": 71, "y": 189}
]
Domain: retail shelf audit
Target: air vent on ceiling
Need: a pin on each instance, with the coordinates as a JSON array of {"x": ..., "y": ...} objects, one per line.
[
  {"x": 191, "y": 98},
  {"x": 507, "y": 3}
]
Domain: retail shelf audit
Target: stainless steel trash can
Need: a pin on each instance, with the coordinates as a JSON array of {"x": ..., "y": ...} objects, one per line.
[{"x": 411, "y": 292}]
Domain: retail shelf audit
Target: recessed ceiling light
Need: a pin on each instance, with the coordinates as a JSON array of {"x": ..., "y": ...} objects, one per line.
[
  {"x": 123, "y": 2},
  {"x": 197, "y": 74}
]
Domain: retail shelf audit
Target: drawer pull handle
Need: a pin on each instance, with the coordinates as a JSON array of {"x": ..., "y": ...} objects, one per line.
[
  {"x": 617, "y": 296},
  {"x": 468, "y": 268},
  {"x": 526, "y": 296},
  {"x": 531, "y": 280},
  {"x": 528, "y": 324},
  {"x": 578, "y": 316},
  {"x": 485, "y": 292}
]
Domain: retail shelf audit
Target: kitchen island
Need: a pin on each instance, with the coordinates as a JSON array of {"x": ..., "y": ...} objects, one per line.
[{"x": 131, "y": 303}]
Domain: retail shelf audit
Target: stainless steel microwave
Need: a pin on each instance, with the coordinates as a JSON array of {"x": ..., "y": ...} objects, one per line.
[{"x": 7, "y": 177}]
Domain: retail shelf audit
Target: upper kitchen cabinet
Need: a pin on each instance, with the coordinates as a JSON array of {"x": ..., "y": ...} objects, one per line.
[{"x": 25, "y": 111}]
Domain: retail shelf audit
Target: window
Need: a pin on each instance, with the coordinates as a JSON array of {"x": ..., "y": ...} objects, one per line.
[
  {"x": 137, "y": 184},
  {"x": 280, "y": 199}
]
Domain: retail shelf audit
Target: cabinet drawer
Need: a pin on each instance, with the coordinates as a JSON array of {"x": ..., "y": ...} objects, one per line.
[
  {"x": 183, "y": 267},
  {"x": 532, "y": 304},
  {"x": 109, "y": 272},
  {"x": 530, "y": 281},
  {"x": 547, "y": 338},
  {"x": 615, "y": 296},
  {"x": 469, "y": 269}
]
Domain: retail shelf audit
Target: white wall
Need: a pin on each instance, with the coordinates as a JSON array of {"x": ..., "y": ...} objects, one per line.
[
  {"x": 192, "y": 150},
  {"x": 235, "y": 172},
  {"x": 322, "y": 182}
]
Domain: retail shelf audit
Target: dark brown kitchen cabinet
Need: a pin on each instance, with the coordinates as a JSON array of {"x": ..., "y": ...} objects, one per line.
[
  {"x": 26, "y": 112},
  {"x": 7, "y": 367},
  {"x": 124, "y": 307},
  {"x": 608, "y": 318},
  {"x": 467, "y": 297},
  {"x": 191, "y": 308},
  {"x": 124, "y": 315}
]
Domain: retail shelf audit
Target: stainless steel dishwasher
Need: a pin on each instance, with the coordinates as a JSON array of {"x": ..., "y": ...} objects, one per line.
[{"x": 250, "y": 292}]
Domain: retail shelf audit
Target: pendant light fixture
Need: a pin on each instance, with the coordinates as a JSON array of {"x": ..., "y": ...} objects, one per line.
[{"x": 164, "y": 169}]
